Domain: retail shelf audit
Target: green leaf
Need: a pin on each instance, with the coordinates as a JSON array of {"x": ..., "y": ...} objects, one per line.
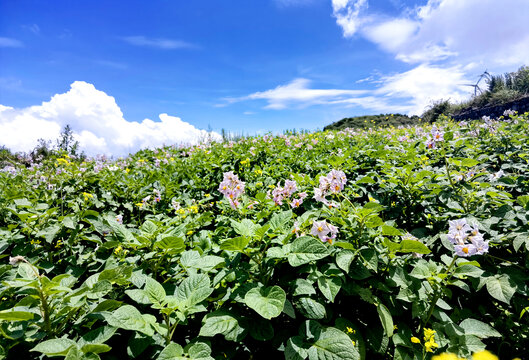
[
  {"x": 386, "y": 319},
  {"x": 154, "y": 291},
  {"x": 468, "y": 270},
  {"x": 408, "y": 246},
  {"x": 303, "y": 287},
  {"x": 23, "y": 202},
  {"x": 344, "y": 259},
  {"x": 266, "y": 301},
  {"x": 172, "y": 351},
  {"x": 331, "y": 344},
  {"x": 129, "y": 318},
  {"x": 523, "y": 200},
  {"x": 478, "y": 328},
  {"x": 97, "y": 336},
  {"x": 499, "y": 287},
  {"x": 199, "y": 351},
  {"x": 193, "y": 290},
  {"x": 225, "y": 323},
  {"x": 54, "y": 347},
  {"x": 235, "y": 244},
  {"x": 388, "y": 230},
  {"x": 280, "y": 220},
  {"x": 306, "y": 249},
  {"x": 149, "y": 227},
  {"x": 9, "y": 315},
  {"x": 329, "y": 287},
  {"x": 244, "y": 228},
  {"x": 310, "y": 308},
  {"x": 174, "y": 244},
  {"x": 139, "y": 296},
  {"x": 95, "y": 348}
]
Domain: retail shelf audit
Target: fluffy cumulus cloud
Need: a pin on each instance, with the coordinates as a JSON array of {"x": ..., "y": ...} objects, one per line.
[
  {"x": 490, "y": 32},
  {"x": 97, "y": 122}
]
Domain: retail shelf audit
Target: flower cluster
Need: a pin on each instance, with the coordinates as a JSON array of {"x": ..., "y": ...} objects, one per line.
[
  {"x": 333, "y": 183},
  {"x": 232, "y": 188},
  {"x": 322, "y": 229},
  {"x": 280, "y": 194},
  {"x": 436, "y": 136},
  {"x": 467, "y": 240},
  {"x": 429, "y": 340}
]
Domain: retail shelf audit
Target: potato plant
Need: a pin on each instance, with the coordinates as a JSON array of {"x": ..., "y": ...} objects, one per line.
[{"x": 388, "y": 243}]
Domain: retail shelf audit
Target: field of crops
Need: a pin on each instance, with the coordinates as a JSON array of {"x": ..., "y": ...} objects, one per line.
[{"x": 390, "y": 243}]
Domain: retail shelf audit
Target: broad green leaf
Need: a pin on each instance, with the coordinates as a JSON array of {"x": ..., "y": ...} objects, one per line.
[
  {"x": 344, "y": 259},
  {"x": 129, "y": 318},
  {"x": 194, "y": 290},
  {"x": 97, "y": 336},
  {"x": 199, "y": 351},
  {"x": 332, "y": 344},
  {"x": 408, "y": 246},
  {"x": 478, "y": 328},
  {"x": 173, "y": 244},
  {"x": 296, "y": 349},
  {"x": 310, "y": 308},
  {"x": 235, "y": 244},
  {"x": 244, "y": 228},
  {"x": 280, "y": 220},
  {"x": 138, "y": 295},
  {"x": 386, "y": 319},
  {"x": 54, "y": 347},
  {"x": 499, "y": 287},
  {"x": 468, "y": 270},
  {"x": 8, "y": 315},
  {"x": 266, "y": 301},
  {"x": 306, "y": 249},
  {"x": 303, "y": 287},
  {"x": 172, "y": 351},
  {"x": 95, "y": 348},
  {"x": 154, "y": 291},
  {"x": 329, "y": 287},
  {"x": 388, "y": 230},
  {"x": 225, "y": 323}
]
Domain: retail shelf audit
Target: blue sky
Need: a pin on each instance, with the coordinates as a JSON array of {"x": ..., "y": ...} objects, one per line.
[{"x": 245, "y": 66}]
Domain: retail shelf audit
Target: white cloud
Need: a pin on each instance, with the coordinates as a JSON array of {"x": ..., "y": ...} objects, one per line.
[
  {"x": 347, "y": 14},
  {"x": 97, "y": 123},
  {"x": 490, "y": 32},
  {"x": 297, "y": 93},
  {"x": 157, "y": 42},
  {"x": 8, "y": 42},
  {"x": 409, "y": 92}
]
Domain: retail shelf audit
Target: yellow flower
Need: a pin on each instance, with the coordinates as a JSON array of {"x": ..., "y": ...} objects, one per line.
[
  {"x": 350, "y": 330},
  {"x": 190, "y": 232},
  {"x": 415, "y": 340},
  {"x": 431, "y": 345},
  {"x": 139, "y": 204},
  {"x": 207, "y": 195},
  {"x": 428, "y": 334},
  {"x": 258, "y": 172},
  {"x": 447, "y": 356},
  {"x": 484, "y": 355},
  {"x": 118, "y": 250}
]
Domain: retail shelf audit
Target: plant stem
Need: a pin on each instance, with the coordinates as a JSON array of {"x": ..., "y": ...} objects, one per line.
[{"x": 438, "y": 294}]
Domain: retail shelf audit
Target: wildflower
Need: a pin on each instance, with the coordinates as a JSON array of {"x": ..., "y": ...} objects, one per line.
[
  {"x": 232, "y": 188},
  {"x": 350, "y": 330},
  {"x": 15, "y": 260},
  {"x": 467, "y": 240},
  {"x": 496, "y": 176},
  {"x": 447, "y": 356},
  {"x": 333, "y": 183},
  {"x": 87, "y": 196},
  {"x": 429, "y": 340},
  {"x": 415, "y": 340},
  {"x": 322, "y": 230},
  {"x": 484, "y": 355},
  {"x": 157, "y": 195},
  {"x": 119, "y": 219}
]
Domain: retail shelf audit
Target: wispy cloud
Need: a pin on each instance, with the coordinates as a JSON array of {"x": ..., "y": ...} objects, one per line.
[
  {"x": 159, "y": 43},
  {"x": 297, "y": 93},
  {"x": 9, "y": 42},
  {"x": 409, "y": 92},
  {"x": 34, "y": 28},
  {"x": 111, "y": 64}
]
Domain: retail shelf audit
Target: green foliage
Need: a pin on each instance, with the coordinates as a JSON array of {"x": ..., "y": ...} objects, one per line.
[
  {"x": 143, "y": 257},
  {"x": 370, "y": 121}
]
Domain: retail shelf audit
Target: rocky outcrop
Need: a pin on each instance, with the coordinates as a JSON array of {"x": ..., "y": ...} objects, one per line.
[{"x": 493, "y": 111}]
